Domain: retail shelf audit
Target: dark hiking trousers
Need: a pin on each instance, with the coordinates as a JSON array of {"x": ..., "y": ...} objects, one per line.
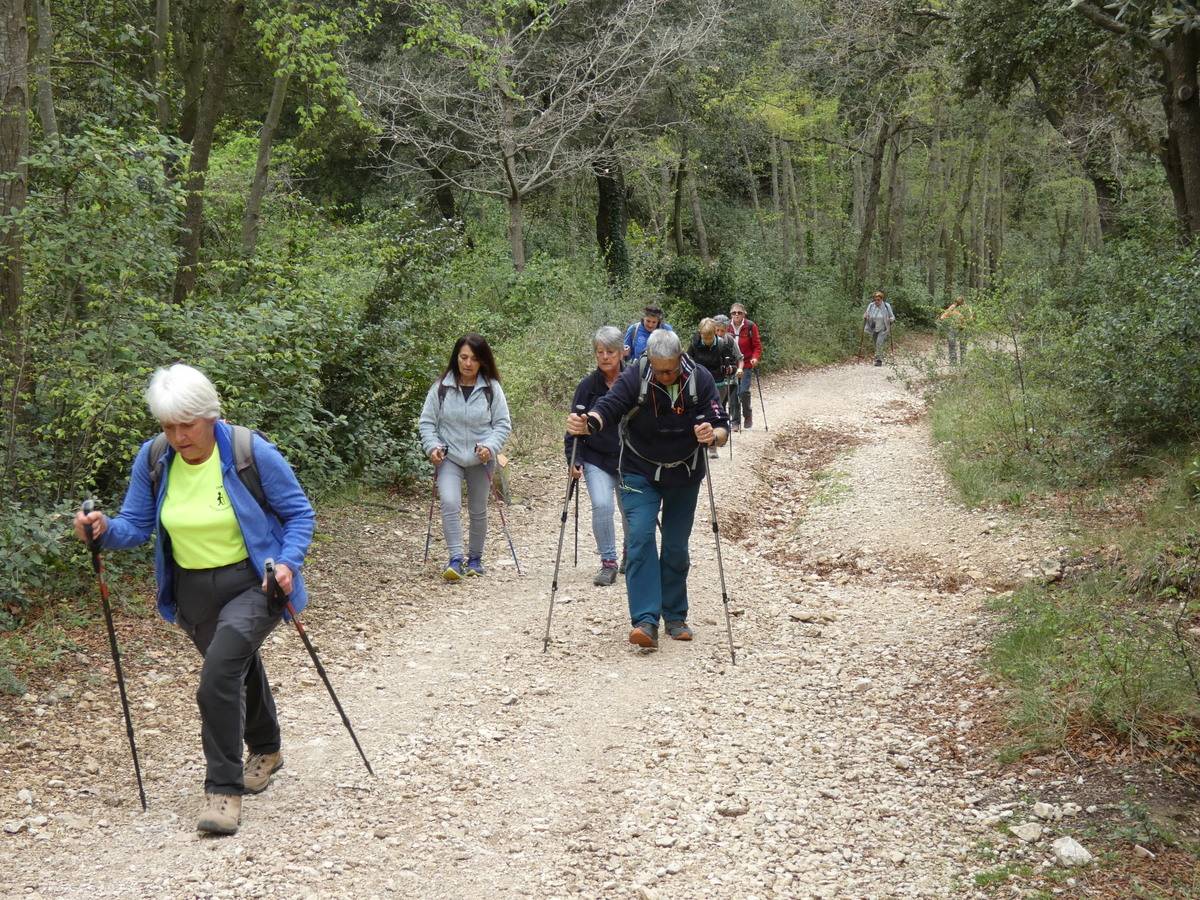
[{"x": 225, "y": 613}]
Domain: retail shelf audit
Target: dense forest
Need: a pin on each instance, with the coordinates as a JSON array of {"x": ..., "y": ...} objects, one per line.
[{"x": 311, "y": 200}]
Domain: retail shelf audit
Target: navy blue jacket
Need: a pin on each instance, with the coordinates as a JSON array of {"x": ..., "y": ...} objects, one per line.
[
  {"x": 662, "y": 432},
  {"x": 602, "y": 449}
]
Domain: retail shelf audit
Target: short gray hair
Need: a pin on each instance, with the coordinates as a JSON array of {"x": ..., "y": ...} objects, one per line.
[
  {"x": 180, "y": 393},
  {"x": 722, "y": 320},
  {"x": 664, "y": 344},
  {"x": 608, "y": 337}
]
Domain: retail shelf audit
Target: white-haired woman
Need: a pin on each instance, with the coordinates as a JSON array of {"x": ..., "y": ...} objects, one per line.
[
  {"x": 218, "y": 518},
  {"x": 598, "y": 455}
]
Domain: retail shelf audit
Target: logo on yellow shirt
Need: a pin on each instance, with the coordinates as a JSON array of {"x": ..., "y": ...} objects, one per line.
[{"x": 221, "y": 502}]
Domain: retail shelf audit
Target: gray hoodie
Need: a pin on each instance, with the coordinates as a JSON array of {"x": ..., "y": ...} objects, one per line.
[
  {"x": 458, "y": 425},
  {"x": 879, "y": 317}
]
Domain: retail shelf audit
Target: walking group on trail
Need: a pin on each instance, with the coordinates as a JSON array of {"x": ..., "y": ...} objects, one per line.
[{"x": 233, "y": 525}]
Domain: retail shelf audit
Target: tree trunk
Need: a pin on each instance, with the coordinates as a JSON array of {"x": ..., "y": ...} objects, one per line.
[
  {"x": 14, "y": 148},
  {"x": 45, "y": 87},
  {"x": 886, "y": 222},
  {"x": 1098, "y": 170},
  {"x": 677, "y": 208},
  {"x": 158, "y": 62},
  {"x": 206, "y": 124},
  {"x": 752, "y": 180},
  {"x": 516, "y": 230},
  {"x": 870, "y": 205},
  {"x": 443, "y": 193},
  {"x": 698, "y": 221},
  {"x": 612, "y": 219},
  {"x": 191, "y": 49},
  {"x": 1183, "y": 124},
  {"x": 774, "y": 175},
  {"x": 789, "y": 175},
  {"x": 262, "y": 168}
]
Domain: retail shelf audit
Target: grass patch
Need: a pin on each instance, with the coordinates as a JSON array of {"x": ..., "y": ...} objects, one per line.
[
  {"x": 1116, "y": 649},
  {"x": 831, "y": 485},
  {"x": 1002, "y": 874}
]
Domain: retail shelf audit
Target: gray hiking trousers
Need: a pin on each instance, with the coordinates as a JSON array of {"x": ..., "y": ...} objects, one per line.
[
  {"x": 881, "y": 343},
  {"x": 450, "y": 478},
  {"x": 225, "y": 613}
]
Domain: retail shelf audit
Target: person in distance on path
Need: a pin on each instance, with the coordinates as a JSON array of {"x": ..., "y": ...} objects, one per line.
[
  {"x": 712, "y": 352},
  {"x": 666, "y": 409},
  {"x": 878, "y": 320},
  {"x": 464, "y": 424},
  {"x": 955, "y": 317},
  {"x": 745, "y": 333},
  {"x": 214, "y": 535},
  {"x": 638, "y": 333},
  {"x": 726, "y": 386},
  {"x": 597, "y": 458}
]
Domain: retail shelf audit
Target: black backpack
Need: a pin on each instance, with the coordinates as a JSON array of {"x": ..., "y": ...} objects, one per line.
[{"x": 243, "y": 460}]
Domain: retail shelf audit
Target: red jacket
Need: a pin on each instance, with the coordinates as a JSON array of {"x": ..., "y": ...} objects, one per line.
[{"x": 749, "y": 342}]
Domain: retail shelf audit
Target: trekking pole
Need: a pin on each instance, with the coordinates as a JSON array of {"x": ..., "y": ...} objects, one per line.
[
  {"x": 98, "y": 566},
  {"x": 562, "y": 531},
  {"x": 576, "y": 524},
  {"x": 891, "y": 347},
  {"x": 712, "y": 505},
  {"x": 503, "y": 521},
  {"x": 862, "y": 333},
  {"x": 278, "y": 596},
  {"x": 761, "y": 402},
  {"x": 432, "y": 501}
]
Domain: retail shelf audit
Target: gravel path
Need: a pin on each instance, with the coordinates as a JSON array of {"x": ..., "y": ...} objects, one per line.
[{"x": 827, "y": 762}]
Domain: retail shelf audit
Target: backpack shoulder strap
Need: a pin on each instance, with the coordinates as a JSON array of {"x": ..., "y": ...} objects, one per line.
[
  {"x": 444, "y": 388},
  {"x": 243, "y": 461},
  {"x": 158, "y": 449}
]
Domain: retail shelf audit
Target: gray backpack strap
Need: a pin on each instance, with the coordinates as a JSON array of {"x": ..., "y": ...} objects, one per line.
[
  {"x": 158, "y": 449},
  {"x": 243, "y": 461}
]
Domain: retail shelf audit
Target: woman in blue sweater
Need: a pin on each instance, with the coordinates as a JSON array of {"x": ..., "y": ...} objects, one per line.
[
  {"x": 214, "y": 535},
  {"x": 596, "y": 460}
]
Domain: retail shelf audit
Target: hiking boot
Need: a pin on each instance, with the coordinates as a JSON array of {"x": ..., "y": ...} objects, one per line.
[
  {"x": 258, "y": 771},
  {"x": 474, "y": 566},
  {"x": 607, "y": 574},
  {"x": 737, "y": 426},
  {"x": 644, "y": 634},
  {"x": 222, "y": 814},
  {"x": 712, "y": 453},
  {"x": 879, "y": 362},
  {"x": 679, "y": 631},
  {"x": 454, "y": 569}
]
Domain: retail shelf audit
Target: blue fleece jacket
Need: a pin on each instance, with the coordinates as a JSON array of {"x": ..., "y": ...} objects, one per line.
[
  {"x": 636, "y": 336},
  {"x": 284, "y": 533}
]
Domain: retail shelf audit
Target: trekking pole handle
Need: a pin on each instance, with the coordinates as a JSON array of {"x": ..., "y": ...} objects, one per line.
[
  {"x": 276, "y": 598},
  {"x": 700, "y": 420},
  {"x": 88, "y": 507}
]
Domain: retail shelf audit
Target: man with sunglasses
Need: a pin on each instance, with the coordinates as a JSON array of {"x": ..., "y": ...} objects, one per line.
[{"x": 667, "y": 411}]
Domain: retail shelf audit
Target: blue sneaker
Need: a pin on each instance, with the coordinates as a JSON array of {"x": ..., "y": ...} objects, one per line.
[
  {"x": 454, "y": 569},
  {"x": 474, "y": 566}
]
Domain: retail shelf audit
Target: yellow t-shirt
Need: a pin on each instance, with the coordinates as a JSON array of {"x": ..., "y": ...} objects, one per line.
[{"x": 198, "y": 516}]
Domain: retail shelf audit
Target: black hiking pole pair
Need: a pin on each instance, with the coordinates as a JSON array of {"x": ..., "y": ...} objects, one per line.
[
  {"x": 761, "y": 402},
  {"x": 93, "y": 544},
  {"x": 280, "y": 600},
  {"x": 572, "y": 485},
  {"x": 503, "y": 520},
  {"x": 716, "y": 528}
]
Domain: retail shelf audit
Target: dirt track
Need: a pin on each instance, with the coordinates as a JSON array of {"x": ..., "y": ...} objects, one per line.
[{"x": 828, "y": 762}]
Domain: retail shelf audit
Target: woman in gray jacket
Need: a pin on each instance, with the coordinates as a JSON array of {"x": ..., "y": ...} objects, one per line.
[{"x": 464, "y": 424}]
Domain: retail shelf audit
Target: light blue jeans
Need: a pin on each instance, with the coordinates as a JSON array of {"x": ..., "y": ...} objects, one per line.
[
  {"x": 450, "y": 481},
  {"x": 602, "y": 488}
]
